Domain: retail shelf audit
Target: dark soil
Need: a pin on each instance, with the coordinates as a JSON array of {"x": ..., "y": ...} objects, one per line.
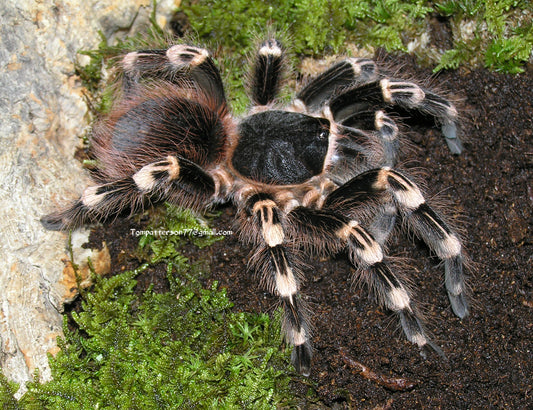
[{"x": 490, "y": 191}]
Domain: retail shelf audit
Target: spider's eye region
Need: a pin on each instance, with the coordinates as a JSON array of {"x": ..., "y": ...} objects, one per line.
[{"x": 280, "y": 147}]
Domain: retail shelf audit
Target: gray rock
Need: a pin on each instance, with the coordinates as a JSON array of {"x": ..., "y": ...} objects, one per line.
[{"x": 42, "y": 115}]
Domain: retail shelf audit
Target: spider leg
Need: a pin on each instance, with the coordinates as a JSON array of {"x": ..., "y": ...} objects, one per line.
[
  {"x": 179, "y": 64},
  {"x": 354, "y": 143},
  {"x": 391, "y": 92},
  {"x": 173, "y": 179},
  {"x": 280, "y": 272},
  {"x": 421, "y": 218},
  {"x": 359, "y": 147},
  {"x": 331, "y": 233},
  {"x": 383, "y": 223},
  {"x": 373, "y": 125},
  {"x": 267, "y": 72},
  {"x": 321, "y": 88}
]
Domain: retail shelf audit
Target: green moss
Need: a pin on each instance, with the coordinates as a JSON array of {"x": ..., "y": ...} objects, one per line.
[
  {"x": 7, "y": 393},
  {"x": 500, "y": 38},
  {"x": 182, "y": 348},
  {"x": 496, "y": 33},
  {"x": 307, "y": 27}
]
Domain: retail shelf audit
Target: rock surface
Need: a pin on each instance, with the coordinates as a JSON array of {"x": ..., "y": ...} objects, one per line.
[{"x": 42, "y": 115}]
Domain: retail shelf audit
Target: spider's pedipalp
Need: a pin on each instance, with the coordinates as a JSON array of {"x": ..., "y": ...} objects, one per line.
[
  {"x": 319, "y": 90},
  {"x": 267, "y": 72},
  {"x": 179, "y": 64}
]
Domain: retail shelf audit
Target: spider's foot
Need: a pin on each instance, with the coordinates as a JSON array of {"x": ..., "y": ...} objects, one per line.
[
  {"x": 301, "y": 358},
  {"x": 414, "y": 331},
  {"x": 433, "y": 346},
  {"x": 449, "y": 130},
  {"x": 412, "y": 327},
  {"x": 52, "y": 222},
  {"x": 72, "y": 217},
  {"x": 455, "y": 285},
  {"x": 459, "y": 305}
]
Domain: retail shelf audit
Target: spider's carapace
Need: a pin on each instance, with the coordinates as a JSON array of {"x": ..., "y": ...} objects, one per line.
[{"x": 281, "y": 147}]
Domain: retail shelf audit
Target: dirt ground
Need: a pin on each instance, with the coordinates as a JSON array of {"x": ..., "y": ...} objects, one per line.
[{"x": 489, "y": 354}]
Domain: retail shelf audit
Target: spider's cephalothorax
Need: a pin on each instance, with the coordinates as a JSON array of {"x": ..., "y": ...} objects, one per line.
[{"x": 303, "y": 177}]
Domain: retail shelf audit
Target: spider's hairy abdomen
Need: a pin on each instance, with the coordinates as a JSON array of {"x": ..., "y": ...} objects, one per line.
[
  {"x": 281, "y": 148},
  {"x": 160, "y": 122}
]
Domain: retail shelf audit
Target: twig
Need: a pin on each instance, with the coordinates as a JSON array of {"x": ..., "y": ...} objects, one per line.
[{"x": 391, "y": 383}]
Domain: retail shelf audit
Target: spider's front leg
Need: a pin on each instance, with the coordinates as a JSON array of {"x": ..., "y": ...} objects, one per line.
[
  {"x": 180, "y": 64},
  {"x": 173, "y": 179},
  {"x": 421, "y": 218},
  {"x": 326, "y": 232},
  {"x": 279, "y": 269}
]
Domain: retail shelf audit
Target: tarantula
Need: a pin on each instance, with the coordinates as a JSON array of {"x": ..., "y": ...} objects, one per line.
[{"x": 302, "y": 177}]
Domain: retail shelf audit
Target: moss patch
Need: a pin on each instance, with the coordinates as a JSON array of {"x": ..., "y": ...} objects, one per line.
[
  {"x": 182, "y": 348},
  {"x": 495, "y": 33}
]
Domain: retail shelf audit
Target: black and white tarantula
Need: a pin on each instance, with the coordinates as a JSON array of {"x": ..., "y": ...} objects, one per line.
[{"x": 302, "y": 176}]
